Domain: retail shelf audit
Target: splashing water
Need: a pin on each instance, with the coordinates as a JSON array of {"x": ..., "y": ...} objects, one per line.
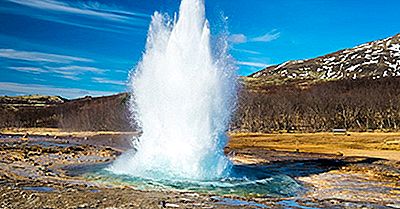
[{"x": 183, "y": 96}]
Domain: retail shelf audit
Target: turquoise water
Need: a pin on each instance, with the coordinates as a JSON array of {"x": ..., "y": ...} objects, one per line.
[
  {"x": 39, "y": 189},
  {"x": 243, "y": 181}
]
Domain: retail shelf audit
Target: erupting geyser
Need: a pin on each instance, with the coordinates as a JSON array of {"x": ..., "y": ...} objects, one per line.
[{"x": 184, "y": 92}]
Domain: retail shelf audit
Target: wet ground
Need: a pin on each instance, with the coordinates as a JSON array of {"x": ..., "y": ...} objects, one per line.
[{"x": 46, "y": 172}]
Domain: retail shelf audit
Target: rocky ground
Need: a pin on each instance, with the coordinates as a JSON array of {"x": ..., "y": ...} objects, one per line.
[{"x": 34, "y": 173}]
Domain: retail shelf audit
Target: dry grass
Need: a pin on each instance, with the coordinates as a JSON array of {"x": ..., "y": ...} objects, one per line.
[
  {"x": 379, "y": 145},
  {"x": 59, "y": 132}
]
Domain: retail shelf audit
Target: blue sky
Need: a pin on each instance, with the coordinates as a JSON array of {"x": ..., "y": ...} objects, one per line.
[{"x": 77, "y": 48}]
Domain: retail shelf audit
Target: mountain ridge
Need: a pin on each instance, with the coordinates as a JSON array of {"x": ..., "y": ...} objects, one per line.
[{"x": 375, "y": 59}]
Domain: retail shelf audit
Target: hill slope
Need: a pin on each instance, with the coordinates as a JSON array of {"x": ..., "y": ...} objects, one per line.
[
  {"x": 374, "y": 60},
  {"x": 31, "y": 100}
]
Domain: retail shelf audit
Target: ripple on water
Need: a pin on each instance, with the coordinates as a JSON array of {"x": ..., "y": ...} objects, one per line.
[
  {"x": 243, "y": 181},
  {"x": 39, "y": 189},
  {"x": 293, "y": 204}
]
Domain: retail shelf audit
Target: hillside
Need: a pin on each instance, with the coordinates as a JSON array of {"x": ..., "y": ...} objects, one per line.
[
  {"x": 31, "y": 100},
  {"x": 377, "y": 59},
  {"x": 87, "y": 113},
  {"x": 356, "y": 88}
]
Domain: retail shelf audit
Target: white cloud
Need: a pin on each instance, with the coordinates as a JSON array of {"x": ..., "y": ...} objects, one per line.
[
  {"x": 107, "y": 81},
  {"x": 267, "y": 37},
  {"x": 61, "y": 65},
  {"x": 75, "y": 69},
  {"x": 61, "y": 12},
  {"x": 252, "y": 64},
  {"x": 94, "y": 9},
  {"x": 97, "y": 6},
  {"x": 20, "y": 88},
  {"x": 34, "y": 70},
  {"x": 270, "y": 36},
  {"x": 237, "y": 38},
  {"x": 40, "y": 57},
  {"x": 72, "y": 72},
  {"x": 120, "y": 71},
  {"x": 246, "y": 51},
  {"x": 70, "y": 77}
]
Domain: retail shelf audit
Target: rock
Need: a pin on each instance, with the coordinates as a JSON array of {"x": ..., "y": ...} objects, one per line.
[
  {"x": 393, "y": 205},
  {"x": 171, "y": 205},
  {"x": 85, "y": 205},
  {"x": 192, "y": 195},
  {"x": 104, "y": 153},
  {"x": 394, "y": 142},
  {"x": 32, "y": 196},
  {"x": 162, "y": 203},
  {"x": 185, "y": 200}
]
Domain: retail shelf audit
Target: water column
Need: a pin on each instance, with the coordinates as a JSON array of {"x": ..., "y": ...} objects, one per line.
[{"x": 183, "y": 97}]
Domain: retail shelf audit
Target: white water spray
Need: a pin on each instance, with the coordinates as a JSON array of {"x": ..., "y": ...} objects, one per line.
[{"x": 183, "y": 97}]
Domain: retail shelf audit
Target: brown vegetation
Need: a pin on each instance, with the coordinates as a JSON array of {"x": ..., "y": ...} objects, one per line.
[
  {"x": 96, "y": 114},
  {"x": 86, "y": 114},
  {"x": 358, "y": 105}
]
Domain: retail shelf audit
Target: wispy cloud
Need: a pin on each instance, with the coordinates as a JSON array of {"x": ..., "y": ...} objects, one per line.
[
  {"x": 92, "y": 9},
  {"x": 71, "y": 77},
  {"x": 20, "y": 88},
  {"x": 246, "y": 51},
  {"x": 64, "y": 66},
  {"x": 97, "y": 6},
  {"x": 34, "y": 70},
  {"x": 120, "y": 71},
  {"x": 39, "y": 56},
  {"x": 76, "y": 69},
  {"x": 252, "y": 64},
  {"x": 267, "y": 37},
  {"x": 59, "y": 6},
  {"x": 71, "y": 72},
  {"x": 107, "y": 81},
  {"x": 77, "y": 14},
  {"x": 270, "y": 36},
  {"x": 238, "y": 38}
]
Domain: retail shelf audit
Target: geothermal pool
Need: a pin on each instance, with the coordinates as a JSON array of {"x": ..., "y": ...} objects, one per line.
[{"x": 245, "y": 180}]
